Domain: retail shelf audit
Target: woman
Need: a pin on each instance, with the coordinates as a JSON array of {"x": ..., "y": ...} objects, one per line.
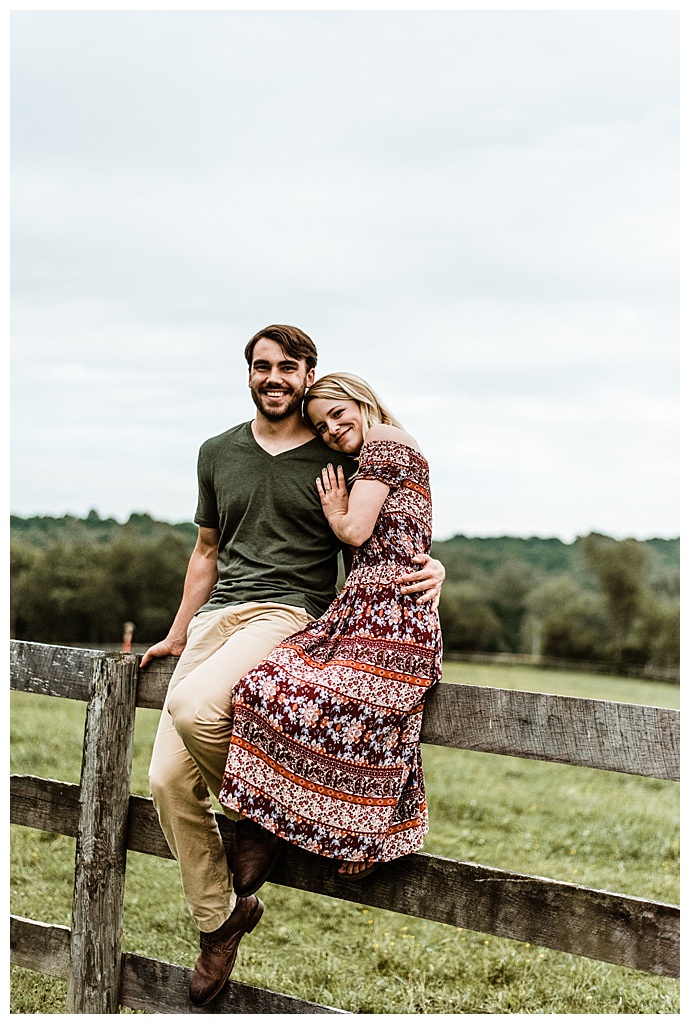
[{"x": 325, "y": 744}]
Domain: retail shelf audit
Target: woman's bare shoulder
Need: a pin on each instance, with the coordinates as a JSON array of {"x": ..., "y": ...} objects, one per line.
[{"x": 387, "y": 432}]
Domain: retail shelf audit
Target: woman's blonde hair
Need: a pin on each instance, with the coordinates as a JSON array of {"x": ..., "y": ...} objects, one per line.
[{"x": 343, "y": 386}]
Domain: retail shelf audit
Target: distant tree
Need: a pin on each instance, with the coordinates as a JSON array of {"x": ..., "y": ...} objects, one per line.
[
  {"x": 49, "y": 596},
  {"x": 663, "y": 580},
  {"x": 23, "y": 602},
  {"x": 148, "y": 577},
  {"x": 619, "y": 568},
  {"x": 464, "y": 556},
  {"x": 568, "y": 621},
  {"x": 655, "y": 639},
  {"x": 79, "y": 580},
  {"x": 467, "y": 621},
  {"x": 507, "y": 597},
  {"x": 663, "y": 625},
  {"x": 83, "y": 593}
]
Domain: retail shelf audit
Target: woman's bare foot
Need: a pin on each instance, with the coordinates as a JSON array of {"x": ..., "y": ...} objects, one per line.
[{"x": 355, "y": 869}]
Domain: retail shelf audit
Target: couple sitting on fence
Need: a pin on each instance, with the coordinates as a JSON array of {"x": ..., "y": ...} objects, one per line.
[{"x": 298, "y": 709}]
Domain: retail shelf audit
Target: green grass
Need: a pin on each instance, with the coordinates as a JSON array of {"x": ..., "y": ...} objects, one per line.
[
  {"x": 598, "y": 829},
  {"x": 564, "y": 682}
]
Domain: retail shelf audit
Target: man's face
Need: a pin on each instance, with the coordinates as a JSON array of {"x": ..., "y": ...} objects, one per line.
[{"x": 277, "y": 381}]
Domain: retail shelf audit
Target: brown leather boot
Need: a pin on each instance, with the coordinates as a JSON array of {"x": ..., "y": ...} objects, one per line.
[
  {"x": 256, "y": 851},
  {"x": 219, "y": 950}
]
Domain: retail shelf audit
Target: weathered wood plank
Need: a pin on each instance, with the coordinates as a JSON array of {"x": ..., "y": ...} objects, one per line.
[
  {"x": 40, "y": 947},
  {"x": 606, "y": 926},
  {"x": 608, "y": 735},
  {"x": 44, "y": 804},
  {"x": 101, "y": 850},
  {"x": 154, "y": 986},
  {"x": 602, "y": 734},
  {"x": 153, "y": 682},
  {"x": 53, "y": 806},
  {"x": 57, "y": 671}
]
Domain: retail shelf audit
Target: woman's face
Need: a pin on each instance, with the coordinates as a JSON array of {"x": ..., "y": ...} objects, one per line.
[{"x": 338, "y": 422}]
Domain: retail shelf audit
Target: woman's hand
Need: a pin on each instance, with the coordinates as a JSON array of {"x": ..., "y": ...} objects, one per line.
[
  {"x": 426, "y": 581},
  {"x": 333, "y": 492},
  {"x": 352, "y": 516}
]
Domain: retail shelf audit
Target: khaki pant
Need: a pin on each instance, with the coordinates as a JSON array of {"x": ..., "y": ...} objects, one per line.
[{"x": 191, "y": 745}]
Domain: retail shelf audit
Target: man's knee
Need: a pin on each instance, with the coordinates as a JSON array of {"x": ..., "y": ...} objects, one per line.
[
  {"x": 165, "y": 776},
  {"x": 188, "y": 714},
  {"x": 175, "y": 781},
  {"x": 173, "y": 775}
]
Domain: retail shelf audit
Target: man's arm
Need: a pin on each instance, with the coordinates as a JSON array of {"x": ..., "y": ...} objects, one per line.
[
  {"x": 202, "y": 573},
  {"x": 426, "y": 581}
]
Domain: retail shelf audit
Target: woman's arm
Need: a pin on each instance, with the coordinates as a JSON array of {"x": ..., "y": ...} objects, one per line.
[
  {"x": 202, "y": 573},
  {"x": 353, "y": 521},
  {"x": 370, "y": 496},
  {"x": 351, "y": 517}
]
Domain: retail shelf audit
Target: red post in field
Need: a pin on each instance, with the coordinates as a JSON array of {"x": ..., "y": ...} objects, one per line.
[{"x": 127, "y": 637}]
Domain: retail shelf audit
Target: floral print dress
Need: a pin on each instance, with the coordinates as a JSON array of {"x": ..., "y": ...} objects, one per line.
[{"x": 325, "y": 739}]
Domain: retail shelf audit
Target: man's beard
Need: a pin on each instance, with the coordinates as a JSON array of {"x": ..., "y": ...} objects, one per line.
[{"x": 277, "y": 414}]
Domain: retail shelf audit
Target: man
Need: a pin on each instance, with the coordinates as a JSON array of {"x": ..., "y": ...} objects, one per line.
[{"x": 264, "y": 564}]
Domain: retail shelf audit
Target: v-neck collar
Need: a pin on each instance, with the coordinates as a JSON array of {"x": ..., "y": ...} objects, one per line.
[{"x": 269, "y": 455}]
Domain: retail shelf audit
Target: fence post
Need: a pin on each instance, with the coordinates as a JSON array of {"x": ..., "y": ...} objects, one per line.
[{"x": 101, "y": 853}]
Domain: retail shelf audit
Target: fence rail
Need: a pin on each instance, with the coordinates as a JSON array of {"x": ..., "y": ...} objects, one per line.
[{"x": 107, "y": 821}]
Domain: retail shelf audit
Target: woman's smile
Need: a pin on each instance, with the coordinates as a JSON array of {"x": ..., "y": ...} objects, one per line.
[{"x": 339, "y": 423}]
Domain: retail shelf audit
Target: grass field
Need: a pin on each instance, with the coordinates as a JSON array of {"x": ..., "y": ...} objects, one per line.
[{"x": 598, "y": 829}]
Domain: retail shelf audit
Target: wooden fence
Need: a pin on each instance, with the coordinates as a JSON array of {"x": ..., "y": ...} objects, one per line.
[{"x": 107, "y": 821}]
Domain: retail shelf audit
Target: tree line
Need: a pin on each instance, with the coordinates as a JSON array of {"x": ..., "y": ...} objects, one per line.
[{"x": 598, "y": 599}]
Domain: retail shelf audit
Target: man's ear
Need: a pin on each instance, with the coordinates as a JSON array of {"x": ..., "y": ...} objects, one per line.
[{"x": 310, "y": 376}]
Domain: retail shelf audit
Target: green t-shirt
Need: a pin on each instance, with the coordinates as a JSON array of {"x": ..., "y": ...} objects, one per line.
[{"x": 275, "y": 543}]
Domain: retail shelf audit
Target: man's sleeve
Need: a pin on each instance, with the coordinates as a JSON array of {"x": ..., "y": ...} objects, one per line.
[{"x": 206, "y": 508}]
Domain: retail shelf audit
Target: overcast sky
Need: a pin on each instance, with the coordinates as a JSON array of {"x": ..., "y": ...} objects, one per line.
[{"x": 476, "y": 211}]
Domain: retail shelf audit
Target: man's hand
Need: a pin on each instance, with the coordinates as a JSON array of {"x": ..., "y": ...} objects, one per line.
[
  {"x": 426, "y": 581},
  {"x": 161, "y": 650}
]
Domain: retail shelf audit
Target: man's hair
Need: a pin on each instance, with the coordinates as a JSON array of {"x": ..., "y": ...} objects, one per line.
[
  {"x": 347, "y": 386},
  {"x": 295, "y": 343}
]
